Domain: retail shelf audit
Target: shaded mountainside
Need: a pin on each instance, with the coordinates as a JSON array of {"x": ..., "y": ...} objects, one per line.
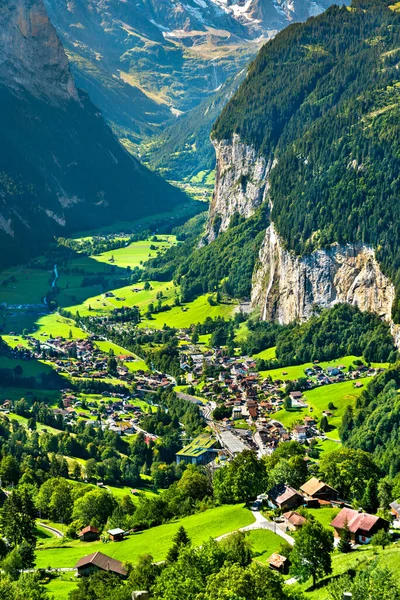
[
  {"x": 61, "y": 168},
  {"x": 320, "y": 105}
]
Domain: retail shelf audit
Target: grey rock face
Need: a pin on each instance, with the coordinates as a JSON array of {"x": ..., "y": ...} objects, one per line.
[
  {"x": 31, "y": 55},
  {"x": 287, "y": 287},
  {"x": 241, "y": 184}
]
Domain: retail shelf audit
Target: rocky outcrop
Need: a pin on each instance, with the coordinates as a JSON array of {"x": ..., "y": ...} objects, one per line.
[
  {"x": 287, "y": 287},
  {"x": 241, "y": 184},
  {"x": 32, "y": 58}
]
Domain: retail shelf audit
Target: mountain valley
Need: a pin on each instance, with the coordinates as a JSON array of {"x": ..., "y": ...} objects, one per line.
[{"x": 199, "y": 382}]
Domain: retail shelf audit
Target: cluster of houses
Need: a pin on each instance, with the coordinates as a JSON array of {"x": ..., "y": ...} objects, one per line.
[
  {"x": 314, "y": 494},
  {"x": 114, "y": 411}
]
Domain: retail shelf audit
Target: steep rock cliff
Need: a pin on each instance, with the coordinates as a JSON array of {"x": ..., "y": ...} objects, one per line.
[
  {"x": 286, "y": 287},
  {"x": 61, "y": 167},
  {"x": 30, "y": 45},
  {"x": 241, "y": 184}
]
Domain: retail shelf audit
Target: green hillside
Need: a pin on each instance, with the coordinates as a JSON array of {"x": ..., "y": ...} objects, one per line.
[{"x": 322, "y": 99}]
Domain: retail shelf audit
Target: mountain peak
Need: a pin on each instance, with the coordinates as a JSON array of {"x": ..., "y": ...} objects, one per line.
[{"x": 32, "y": 58}]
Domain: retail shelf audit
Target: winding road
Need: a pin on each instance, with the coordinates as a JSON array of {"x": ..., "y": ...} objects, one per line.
[
  {"x": 261, "y": 523},
  {"x": 56, "y": 532}
]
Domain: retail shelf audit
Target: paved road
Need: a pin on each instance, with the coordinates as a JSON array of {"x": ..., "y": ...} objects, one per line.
[
  {"x": 262, "y": 523},
  {"x": 52, "y": 530}
]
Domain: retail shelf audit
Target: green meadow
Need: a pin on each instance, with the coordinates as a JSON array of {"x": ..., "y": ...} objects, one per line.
[
  {"x": 355, "y": 561},
  {"x": 268, "y": 354},
  {"x": 156, "y": 541},
  {"x": 341, "y": 394},
  {"x": 31, "y": 368},
  {"x": 263, "y": 544},
  {"x": 189, "y": 314},
  {"x": 297, "y": 371}
]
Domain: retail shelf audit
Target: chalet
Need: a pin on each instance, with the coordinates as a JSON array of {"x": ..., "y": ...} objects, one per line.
[
  {"x": 295, "y": 396},
  {"x": 116, "y": 535},
  {"x": 279, "y": 563},
  {"x": 99, "y": 562},
  {"x": 395, "y": 509},
  {"x": 89, "y": 534},
  {"x": 316, "y": 489},
  {"x": 300, "y": 433},
  {"x": 285, "y": 497},
  {"x": 362, "y": 525},
  {"x": 294, "y": 520}
]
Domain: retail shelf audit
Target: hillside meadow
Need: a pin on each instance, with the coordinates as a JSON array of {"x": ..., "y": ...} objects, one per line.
[{"x": 156, "y": 541}]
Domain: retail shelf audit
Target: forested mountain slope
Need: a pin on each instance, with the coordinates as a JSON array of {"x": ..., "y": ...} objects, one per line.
[
  {"x": 320, "y": 109},
  {"x": 374, "y": 425},
  {"x": 61, "y": 168}
]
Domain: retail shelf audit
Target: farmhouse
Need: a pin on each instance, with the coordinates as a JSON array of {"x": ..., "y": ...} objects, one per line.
[
  {"x": 99, "y": 562},
  {"x": 89, "y": 534},
  {"x": 316, "y": 489},
  {"x": 284, "y": 496},
  {"x": 362, "y": 526}
]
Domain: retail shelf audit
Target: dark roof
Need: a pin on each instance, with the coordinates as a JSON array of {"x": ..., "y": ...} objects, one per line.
[
  {"x": 280, "y": 493},
  {"x": 102, "y": 562},
  {"x": 355, "y": 520}
]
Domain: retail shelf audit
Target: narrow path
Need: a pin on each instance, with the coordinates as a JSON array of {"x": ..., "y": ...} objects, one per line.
[
  {"x": 56, "y": 532},
  {"x": 261, "y": 523}
]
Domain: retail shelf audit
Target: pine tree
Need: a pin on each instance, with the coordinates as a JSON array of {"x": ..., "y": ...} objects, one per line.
[
  {"x": 345, "y": 539},
  {"x": 324, "y": 426},
  {"x": 180, "y": 540},
  {"x": 370, "y": 501}
]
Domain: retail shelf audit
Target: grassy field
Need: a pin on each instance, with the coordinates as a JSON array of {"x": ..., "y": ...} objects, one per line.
[
  {"x": 189, "y": 314},
  {"x": 31, "y": 368},
  {"x": 139, "y": 364},
  {"x": 30, "y": 285},
  {"x": 357, "y": 560},
  {"x": 55, "y": 325},
  {"x": 59, "y": 587},
  {"x": 156, "y": 541},
  {"x": 263, "y": 544},
  {"x": 324, "y": 515},
  {"x": 297, "y": 371},
  {"x": 341, "y": 394},
  {"x": 14, "y": 393},
  {"x": 268, "y": 354}
]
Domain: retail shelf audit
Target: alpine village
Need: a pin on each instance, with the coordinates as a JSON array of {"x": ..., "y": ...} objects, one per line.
[{"x": 199, "y": 300}]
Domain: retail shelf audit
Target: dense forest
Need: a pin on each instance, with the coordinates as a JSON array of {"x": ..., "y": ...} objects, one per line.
[
  {"x": 374, "y": 425},
  {"x": 226, "y": 265},
  {"x": 332, "y": 333},
  {"x": 322, "y": 99}
]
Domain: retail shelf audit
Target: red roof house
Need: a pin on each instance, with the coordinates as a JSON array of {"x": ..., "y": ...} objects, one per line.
[{"x": 362, "y": 525}]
